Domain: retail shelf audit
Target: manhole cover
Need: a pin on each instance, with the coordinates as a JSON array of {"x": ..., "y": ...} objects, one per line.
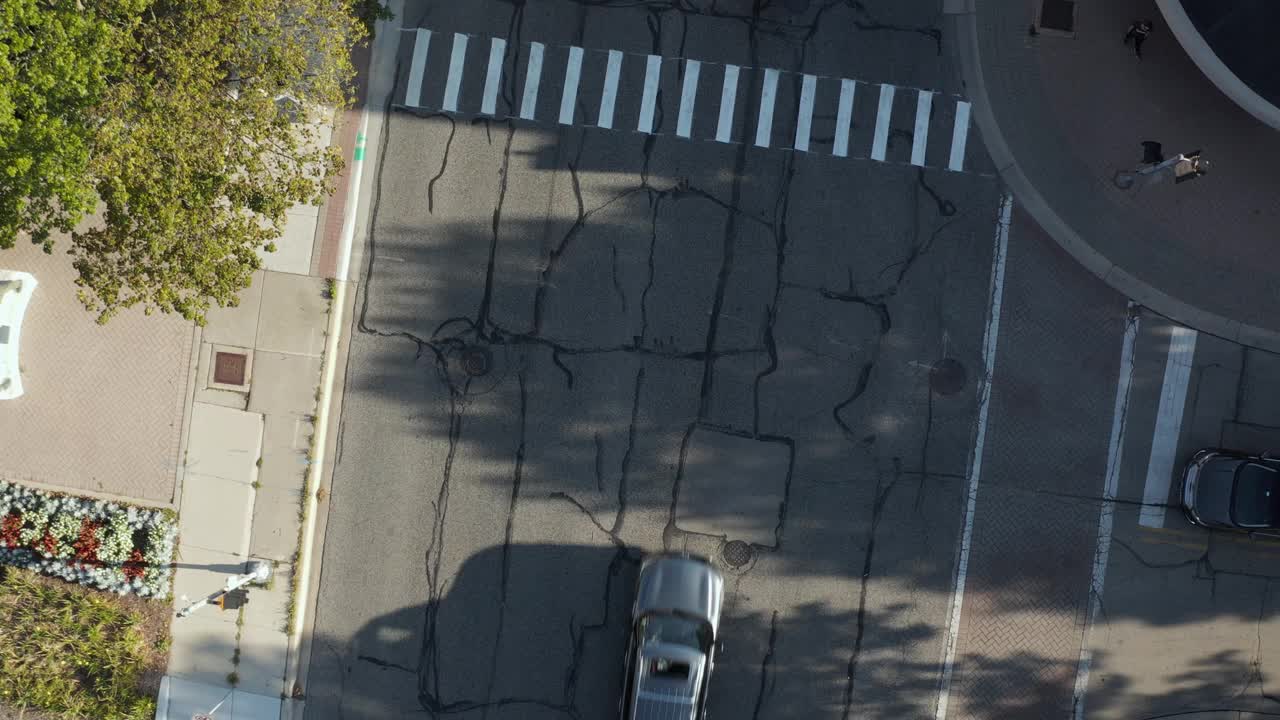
[
  {"x": 229, "y": 368},
  {"x": 947, "y": 377},
  {"x": 737, "y": 553},
  {"x": 476, "y": 361}
]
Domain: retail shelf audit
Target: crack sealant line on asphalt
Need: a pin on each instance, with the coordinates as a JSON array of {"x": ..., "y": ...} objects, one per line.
[
  {"x": 1106, "y": 515},
  {"x": 989, "y": 338}
]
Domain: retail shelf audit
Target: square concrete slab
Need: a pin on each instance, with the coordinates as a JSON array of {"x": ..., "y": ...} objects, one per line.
[
  {"x": 285, "y": 441},
  {"x": 284, "y": 383},
  {"x": 274, "y": 534},
  {"x": 733, "y": 486},
  {"x": 268, "y": 608},
  {"x": 262, "y": 659},
  {"x": 224, "y": 443},
  {"x": 238, "y": 325},
  {"x": 295, "y": 314},
  {"x": 189, "y": 698},
  {"x": 202, "y": 650},
  {"x": 293, "y": 248},
  {"x": 251, "y": 706},
  {"x": 202, "y": 572},
  {"x": 215, "y": 514}
]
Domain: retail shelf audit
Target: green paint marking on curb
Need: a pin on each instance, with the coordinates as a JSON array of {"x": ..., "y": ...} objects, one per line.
[{"x": 359, "y": 153}]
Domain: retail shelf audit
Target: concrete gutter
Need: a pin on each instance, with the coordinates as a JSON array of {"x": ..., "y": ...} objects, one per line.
[
  {"x": 960, "y": 30},
  {"x": 1175, "y": 16}
]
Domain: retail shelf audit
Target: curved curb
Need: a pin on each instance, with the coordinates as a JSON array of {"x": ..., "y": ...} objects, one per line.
[
  {"x": 1175, "y": 16},
  {"x": 960, "y": 27}
]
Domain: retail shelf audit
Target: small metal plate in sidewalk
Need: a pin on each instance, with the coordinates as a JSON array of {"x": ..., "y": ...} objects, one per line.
[
  {"x": 229, "y": 367},
  {"x": 1056, "y": 17}
]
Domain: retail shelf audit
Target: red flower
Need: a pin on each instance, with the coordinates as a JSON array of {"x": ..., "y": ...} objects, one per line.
[
  {"x": 87, "y": 544},
  {"x": 10, "y": 530},
  {"x": 135, "y": 566},
  {"x": 48, "y": 544}
]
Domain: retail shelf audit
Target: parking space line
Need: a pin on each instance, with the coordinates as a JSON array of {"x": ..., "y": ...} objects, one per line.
[
  {"x": 804, "y": 117},
  {"x": 688, "y": 96},
  {"x": 493, "y": 77},
  {"x": 844, "y": 116},
  {"x": 417, "y": 67},
  {"x": 652, "y": 69},
  {"x": 532, "y": 77},
  {"x": 728, "y": 97},
  {"x": 569, "y": 95},
  {"x": 920, "y": 137},
  {"x": 457, "y": 59},
  {"x": 609, "y": 96},
  {"x": 768, "y": 95},
  {"x": 1106, "y": 514},
  {"x": 959, "y": 136},
  {"x": 1164, "y": 441},
  {"x": 880, "y": 142},
  {"x": 989, "y": 337}
]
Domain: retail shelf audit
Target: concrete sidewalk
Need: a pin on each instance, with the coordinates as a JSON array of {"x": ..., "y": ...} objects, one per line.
[{"x": 1062, "y": 115}]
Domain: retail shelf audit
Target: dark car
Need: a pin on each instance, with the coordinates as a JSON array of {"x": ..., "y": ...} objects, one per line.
[
  {"x": 1232, "y": 490},
  {"x": 675, "y": 621}
]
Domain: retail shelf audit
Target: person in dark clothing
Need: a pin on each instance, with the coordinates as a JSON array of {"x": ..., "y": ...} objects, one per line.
[{"x": 1138, "y": 32}]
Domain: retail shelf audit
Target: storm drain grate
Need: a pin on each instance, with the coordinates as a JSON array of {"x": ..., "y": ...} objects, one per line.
[
  {"x": 948, "y": 377},
  {"x": 477, "y": 361},
  {"x": 737, "y": 553},
  {"x": 229, "y": 368},
  {"x": 1059, "y": 15}
]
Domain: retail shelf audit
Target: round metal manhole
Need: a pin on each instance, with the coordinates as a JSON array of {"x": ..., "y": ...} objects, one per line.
[
  {"x": 476, "y": 361},
  {"x": 948, "y": 377},
  {"x": 737, "y": 553}
]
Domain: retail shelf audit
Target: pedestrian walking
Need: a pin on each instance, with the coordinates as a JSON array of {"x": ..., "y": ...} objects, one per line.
[{"x": 1138, "y": 32}]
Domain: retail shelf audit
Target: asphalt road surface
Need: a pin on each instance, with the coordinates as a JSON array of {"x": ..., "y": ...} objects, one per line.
[{"x": 715, "y": 277}]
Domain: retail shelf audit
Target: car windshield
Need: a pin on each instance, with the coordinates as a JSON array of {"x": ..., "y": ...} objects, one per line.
[
  {"x": 1256, "y": 501},
  {"x": 675, "y": 630}
]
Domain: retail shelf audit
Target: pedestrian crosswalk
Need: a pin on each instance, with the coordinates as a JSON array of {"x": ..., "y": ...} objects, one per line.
[{"x": 567, "y": 85}]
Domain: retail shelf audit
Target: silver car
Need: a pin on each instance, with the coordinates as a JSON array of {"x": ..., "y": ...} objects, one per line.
[{"x": 674, "y": 632}]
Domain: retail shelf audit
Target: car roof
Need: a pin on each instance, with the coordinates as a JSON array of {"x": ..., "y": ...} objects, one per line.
[
  {"x": 667, "y": 698},
  {"x": 681, "y": 585}
]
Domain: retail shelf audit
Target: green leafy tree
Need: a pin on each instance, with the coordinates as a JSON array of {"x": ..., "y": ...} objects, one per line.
[{"x": 166, "y": 138}]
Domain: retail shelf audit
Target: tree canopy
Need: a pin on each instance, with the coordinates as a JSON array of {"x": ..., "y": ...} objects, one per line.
[{"x": 162, "y": 141}]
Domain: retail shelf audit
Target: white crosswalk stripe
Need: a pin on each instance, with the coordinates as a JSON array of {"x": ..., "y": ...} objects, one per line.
[{"x": 748, "y": 119}]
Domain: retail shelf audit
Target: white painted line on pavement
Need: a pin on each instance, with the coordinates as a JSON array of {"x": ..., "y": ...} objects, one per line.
[
  {"x": 881, "y": 140},
  {"x": 989, "y": 337},
  {"x": 920, "y": 138},
  {"x": 1106, "y": 515},
  {"x": 413, "y": 91},
  {"x": 457, "y": 59},
  {"x": 572, "y": 74},
  {"x": 959, "y": 136},
  {"x": 844, "y": 116},
  {"x": 493, "y": 78},
  {"x": 768, "y": 95},
  {"x": 804, "y": 118},
  {"x": 1164, "y": 442},
  {"x": 609, "y": 95},
  {"x": 532, "y": 76},
  {"x": 652, "y": 70},
  {"x": 728, "y": 98},
  {"x": 688, "y": 96}
]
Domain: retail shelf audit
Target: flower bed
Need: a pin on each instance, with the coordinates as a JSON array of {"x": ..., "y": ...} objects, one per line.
[{"x": 105, "y": 545}]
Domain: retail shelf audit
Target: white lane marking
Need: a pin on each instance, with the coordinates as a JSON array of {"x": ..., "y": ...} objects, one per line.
[
  {"x": 844, "y": 116},
  {"x": 768, "y": 95},
  {"x": 881, "y": 140},
  {"x": 989, "y": 337},
  {"x": 920, "y": 138},
  {"x": 1164, "y": 443},
  {"x": 532, "y": 76},
  {"x": 688, "y": 96},
  {"x": 728, "y": 97},
  {"x": 572, "y": 74},
  {"x": 413, "y": 92},
  {"x": 959, "y": 136},
  {"x": 609, "y": 96},
  {"x": 457, "y": 60},
  {"x": 1106, "y": 515},
  {"x": 493, "y": 78},
  {"x": 652, "y": 69},
  {"x": 804, "y": 118}
]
